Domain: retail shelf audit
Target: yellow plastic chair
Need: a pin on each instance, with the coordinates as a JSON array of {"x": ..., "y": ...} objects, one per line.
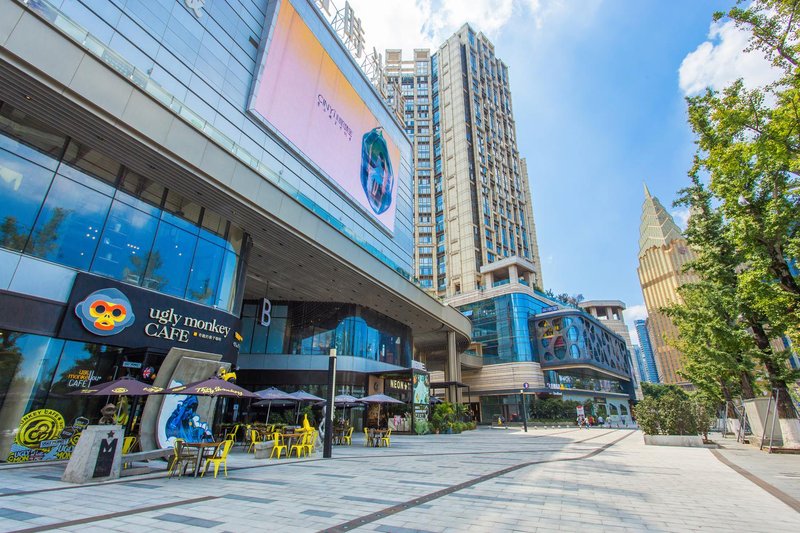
[
  {"x": 181, "y": 458},
  {"x": 300, "y": 447},
  {"x": 386, "y": 439},
  {"x": 311, "y": 442},
  {"x": 128, "y": 444},
  {"x": 220, "y": 457},
  {"x": 254, "y": 438},
  {"x": 348, "y": 437},
  {"x": 366, "y": 437},
  {"x": 278, "y": 446}
]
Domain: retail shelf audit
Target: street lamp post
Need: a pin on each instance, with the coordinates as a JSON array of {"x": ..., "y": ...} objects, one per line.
[
  {"x": 524, "y": 411},
  {"x": 328, "y": 444}
]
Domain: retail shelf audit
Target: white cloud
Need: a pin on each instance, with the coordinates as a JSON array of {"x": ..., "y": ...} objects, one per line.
[
  {"x": 721, "y": 60},
  {"x": 411, "y": 24},
  {"x": 634, "y": 312},
  {"x": 681, "y": 217}
]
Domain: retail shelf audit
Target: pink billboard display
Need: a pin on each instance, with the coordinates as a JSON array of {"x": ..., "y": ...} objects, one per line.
[{"x": 305, "y": 97}]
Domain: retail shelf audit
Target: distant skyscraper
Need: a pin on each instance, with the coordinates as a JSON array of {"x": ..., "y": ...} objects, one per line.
[
  {"x": 472, "y": 197},
  {"x": 662, "y": 254},
  {"x": 637, "y": 354},
  {"x": 650, "y": 369}
]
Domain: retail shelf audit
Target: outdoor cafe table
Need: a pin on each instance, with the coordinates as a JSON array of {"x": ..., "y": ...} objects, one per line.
[
  {"x": 375, "y": 436},
  {"x": 205, "y": 450},
  {"x": 290, "y": 437}
]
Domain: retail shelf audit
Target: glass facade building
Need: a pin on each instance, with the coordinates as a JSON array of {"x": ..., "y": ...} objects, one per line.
[
  {"x": 145, "y": 187},
  {"x": 500, "y": 325},
  {"x": 70, "y": 209},
  {"x": 651, "y": 371}
]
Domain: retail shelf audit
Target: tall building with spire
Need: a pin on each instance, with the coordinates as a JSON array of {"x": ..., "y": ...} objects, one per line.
[{"x": 662, "y": 254}]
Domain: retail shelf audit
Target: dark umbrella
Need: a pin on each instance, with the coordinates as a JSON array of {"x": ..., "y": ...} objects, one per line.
[
  {"x": 127, "y": 386},
  {"x": 379, "y": 399},
  {"x": 273, "y": 395},
  {"x": 215, "y": 387},
  {"x": 119, "y": 387},
  {"x": 303, "y": 396}
]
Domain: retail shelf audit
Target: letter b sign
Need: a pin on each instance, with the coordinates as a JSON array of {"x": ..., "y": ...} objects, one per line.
[{"x": 266, "y": 307}]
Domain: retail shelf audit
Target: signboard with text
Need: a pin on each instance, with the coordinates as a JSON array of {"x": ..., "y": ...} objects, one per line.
[{"x": 102, "y": 310}]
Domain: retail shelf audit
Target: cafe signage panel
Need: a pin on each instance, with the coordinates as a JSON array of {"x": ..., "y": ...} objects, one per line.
[{"x": 105, "y": 311}]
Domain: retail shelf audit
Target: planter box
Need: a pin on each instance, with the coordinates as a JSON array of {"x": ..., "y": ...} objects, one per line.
[
  {"x": 263, "y": 449},
  {"x": 692, "y": 441}
]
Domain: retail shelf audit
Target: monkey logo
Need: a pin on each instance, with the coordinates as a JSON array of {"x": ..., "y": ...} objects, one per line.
[{"x": 105, "y": 312}]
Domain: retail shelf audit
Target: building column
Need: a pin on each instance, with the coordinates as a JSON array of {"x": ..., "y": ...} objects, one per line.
[
  {"x": 513, "y": 274},
  {"x": 488, "y": 280},
  {"x": 452, "y": 369}
]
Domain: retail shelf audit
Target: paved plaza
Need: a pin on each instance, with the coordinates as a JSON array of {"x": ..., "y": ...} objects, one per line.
[{"x": 484, "y": 480}]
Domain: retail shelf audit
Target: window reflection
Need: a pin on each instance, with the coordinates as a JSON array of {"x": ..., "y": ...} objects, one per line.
[
  {"x": 168, "y": 267},
  {"x": 314, "y": 328},
  {"x": 125, "y": 243},
  {"x": 68, "y": 228},
  {"x": 204, "y": 276},
  {"x": 23, "y": 186},
  {"x": 69, "y": 217}
]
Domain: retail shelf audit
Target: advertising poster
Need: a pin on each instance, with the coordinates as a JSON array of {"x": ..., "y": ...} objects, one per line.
[
  {"x": 44, "y": 436},
  {"x": 304, "y": 96},
  {"x": 422, "y": 396}
]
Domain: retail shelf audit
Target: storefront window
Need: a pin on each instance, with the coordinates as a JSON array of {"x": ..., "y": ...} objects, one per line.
[
  {"x": 27, "y": 364},
  {"x": 313, "y": 329}
]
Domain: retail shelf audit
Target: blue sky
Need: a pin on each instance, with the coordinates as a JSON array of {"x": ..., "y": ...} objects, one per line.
[{"x": 599, "y": 105}]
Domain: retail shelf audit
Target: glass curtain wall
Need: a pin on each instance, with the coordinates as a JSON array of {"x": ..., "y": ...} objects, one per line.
[
  {"x": 67, "y": 203},
  {"x": 310, "y": 328}
]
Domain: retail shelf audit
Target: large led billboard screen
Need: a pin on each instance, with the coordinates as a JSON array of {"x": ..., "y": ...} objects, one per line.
[{"x": 303, "y": 95}]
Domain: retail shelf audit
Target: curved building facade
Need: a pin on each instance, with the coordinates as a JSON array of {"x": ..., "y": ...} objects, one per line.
[{"x": 153, "y": 191}]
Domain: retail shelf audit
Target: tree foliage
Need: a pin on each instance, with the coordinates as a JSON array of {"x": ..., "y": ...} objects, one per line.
[
  {"x": 748, "y": 144},
  {"x": 669, "y": 410}
]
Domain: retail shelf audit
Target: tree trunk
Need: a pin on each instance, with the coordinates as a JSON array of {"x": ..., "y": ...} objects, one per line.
[
  {"x": 785, "y": 407},
  {"x": 746, "y": 384}
]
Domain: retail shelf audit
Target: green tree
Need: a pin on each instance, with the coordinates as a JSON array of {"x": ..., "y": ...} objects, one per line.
[
  {"x": 748, "y": 141},
  {"x": 717, "y": 347}
]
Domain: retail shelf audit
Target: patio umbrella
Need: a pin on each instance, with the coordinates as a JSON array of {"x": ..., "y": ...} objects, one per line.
[
  {"x": 303, "y": 396},
  {"x": 380, "y": 399},
  {"x": 214, "y": 386},
  {"x": 270, "y": 395},
  {"x": 127, "y": 386}
]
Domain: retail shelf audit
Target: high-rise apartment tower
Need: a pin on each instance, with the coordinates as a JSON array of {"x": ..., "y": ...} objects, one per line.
[{"x": 472, "y": 197}]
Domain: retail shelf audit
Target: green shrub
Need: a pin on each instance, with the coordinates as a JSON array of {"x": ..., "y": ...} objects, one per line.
[
  {"x": 669, "y": 410},
  {"x": 421, "y": 427}
]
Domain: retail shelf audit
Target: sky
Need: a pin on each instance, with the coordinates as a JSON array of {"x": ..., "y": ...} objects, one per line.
[{"x": 598, "y": 90}]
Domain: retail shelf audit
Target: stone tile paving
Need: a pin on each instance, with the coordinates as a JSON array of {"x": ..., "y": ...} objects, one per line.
[
  {"x": 780, "y": 470},
  {"x": 557, "y": 479}
]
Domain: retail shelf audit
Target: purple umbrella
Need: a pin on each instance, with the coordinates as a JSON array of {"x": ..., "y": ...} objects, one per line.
[
  {"x": 273, "y": 395},
  {"x": 212, "y": 387},
  {"x": 379, "y": 399},
  {"x": 303, "y": 396},
  {"x": 126, "y": 386}
]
